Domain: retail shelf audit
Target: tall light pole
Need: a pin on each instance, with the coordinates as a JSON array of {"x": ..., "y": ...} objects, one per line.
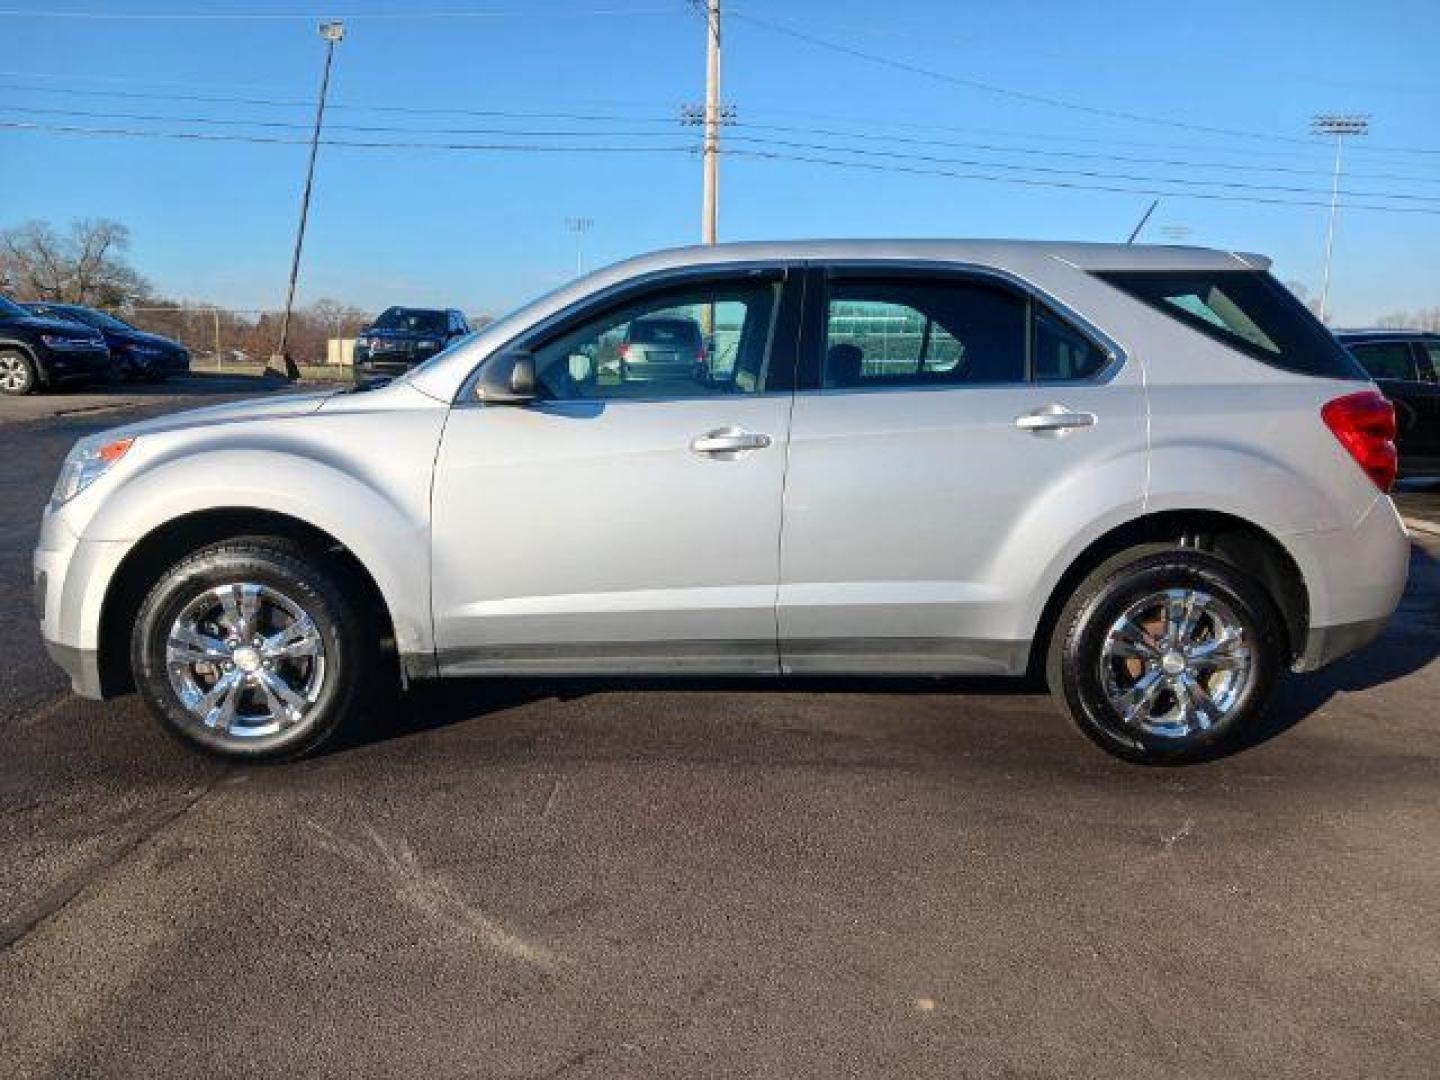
[
  {"x": 280, "y": 363},
  {"x": 579, "y": 226},
  {"x": 1339, "y": 125}
]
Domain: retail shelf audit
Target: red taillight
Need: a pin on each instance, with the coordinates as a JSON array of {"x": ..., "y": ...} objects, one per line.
[
  {"x": 700, "y": 353},
  {"x": 624, "y": 350},
  {"x": 1365, "y": 425}
]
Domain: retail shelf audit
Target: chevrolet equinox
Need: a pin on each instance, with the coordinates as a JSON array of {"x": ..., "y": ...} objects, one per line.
[{"x": 1146, "y": 474}]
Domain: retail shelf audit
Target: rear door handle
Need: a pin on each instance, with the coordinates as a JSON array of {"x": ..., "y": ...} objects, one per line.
[
  {"x": 729, "y": 442},
  {"x": 1054, "y": 419}
]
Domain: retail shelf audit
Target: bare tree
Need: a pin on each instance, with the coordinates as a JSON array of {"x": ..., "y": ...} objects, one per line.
[
  {"x": 84, "y": 265},
  {"x": 1425, "y": 319}
]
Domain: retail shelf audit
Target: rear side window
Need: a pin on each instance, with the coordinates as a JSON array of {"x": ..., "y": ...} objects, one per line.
[
  {"x": 905, "y": 333},
  {"x": 1386, "y": 359},
  {"x": 1247, "y": 310}
]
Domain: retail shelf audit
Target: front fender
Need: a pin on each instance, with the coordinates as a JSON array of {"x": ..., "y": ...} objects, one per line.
[{"x": 373, "y": 499}]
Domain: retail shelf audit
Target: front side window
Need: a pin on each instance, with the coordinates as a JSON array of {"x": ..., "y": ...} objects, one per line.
[
  {"x": 681, "y": 342},
  {"x": 923, "y": 332},
  {"x": 1244, "y": 309},
  {"x": 1386, "y": 359}
]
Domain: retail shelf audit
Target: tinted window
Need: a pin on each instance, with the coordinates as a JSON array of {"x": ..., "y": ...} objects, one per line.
[
  {"x": 674, "y": 332},
  {"x": 1061, "y": 352},
  {"x": 922, "y": 332},
  {"x": 711, "y": 339},
  {"x": 1386, "y": 359},
  {"x": 1432, "y": 352},
  {"x": 1246, "y": 310},
  {"x": 11, "y": 310}
]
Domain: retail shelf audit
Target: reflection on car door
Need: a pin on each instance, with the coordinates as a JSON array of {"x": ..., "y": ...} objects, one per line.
[
  {"x": 622, "y": 527},
  {"x": 929, "y": 443}
]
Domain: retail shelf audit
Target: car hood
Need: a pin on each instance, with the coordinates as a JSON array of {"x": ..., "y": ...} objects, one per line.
[
  {"x": 140, "y": 337},
  {"x": 235, "y": 412},
  {"x": 404, "y": 335}
]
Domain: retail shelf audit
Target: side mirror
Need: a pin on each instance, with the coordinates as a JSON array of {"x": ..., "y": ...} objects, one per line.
[{"x": 507, "y": 379}]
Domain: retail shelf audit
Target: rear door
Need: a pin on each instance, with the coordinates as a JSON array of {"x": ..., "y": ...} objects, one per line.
[{"x": 942, "y": 411}]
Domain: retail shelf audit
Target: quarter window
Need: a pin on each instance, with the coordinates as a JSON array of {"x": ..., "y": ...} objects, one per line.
[
  {"x": 696, "y": 342},
  {"x": 1060, "y": 352}
]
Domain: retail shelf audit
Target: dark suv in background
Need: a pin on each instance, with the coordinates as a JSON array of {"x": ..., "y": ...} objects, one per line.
[
  {"x": 134, "y": 353},
  {"x": 40, "y": 352},
  {"x": 1405, "y": 365},
  {"x": 401, "y": 337}
]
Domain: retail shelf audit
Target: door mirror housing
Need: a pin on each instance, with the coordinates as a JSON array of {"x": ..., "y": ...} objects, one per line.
[{"x": 507, "y": 379}]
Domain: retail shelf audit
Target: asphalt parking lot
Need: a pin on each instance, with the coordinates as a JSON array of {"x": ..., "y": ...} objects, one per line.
[{"x": 687, "y": 879}]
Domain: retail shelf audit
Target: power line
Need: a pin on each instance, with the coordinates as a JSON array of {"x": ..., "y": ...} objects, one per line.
[
  {"x": 1086, "y": 173},
  {"x": 1077, "y": 154},
  {"x": 292, "y": 126},
  {"x": 1065, "y": 178},
  {"x": 356, "y": 144},
  {"x": 1161, "y": 191},
  {"x": 310, "y": 16},
  {"x": 1018, "y": 95}
]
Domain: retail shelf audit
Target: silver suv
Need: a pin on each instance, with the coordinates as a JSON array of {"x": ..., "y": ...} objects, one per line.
[{"x": 1145, "y": 473}]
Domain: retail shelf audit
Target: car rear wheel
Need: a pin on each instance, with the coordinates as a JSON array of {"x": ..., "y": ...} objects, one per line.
[
  {"x": 1166, "y": 657},
  {"x": 252, "y": 649},
  {"x": 17, "y": 373}
]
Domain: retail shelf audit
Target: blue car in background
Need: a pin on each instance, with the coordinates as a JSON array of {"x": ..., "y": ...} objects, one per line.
[{"x": 134, "y": 354}]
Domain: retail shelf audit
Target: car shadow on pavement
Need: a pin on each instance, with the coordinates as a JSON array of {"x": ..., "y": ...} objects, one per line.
[{"x": 1409, "y": 643}]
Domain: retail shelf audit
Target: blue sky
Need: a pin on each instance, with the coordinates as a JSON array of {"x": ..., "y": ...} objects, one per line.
[{"x": 484, "y": 230}]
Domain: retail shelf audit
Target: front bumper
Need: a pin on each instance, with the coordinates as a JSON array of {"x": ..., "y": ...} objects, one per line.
[
  {"x": 61, "y": 364},
  {"x": 70, "y": 577}
]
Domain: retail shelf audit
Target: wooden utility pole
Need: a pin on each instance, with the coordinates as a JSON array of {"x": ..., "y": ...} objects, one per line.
[{"x": 712, "y": 122}]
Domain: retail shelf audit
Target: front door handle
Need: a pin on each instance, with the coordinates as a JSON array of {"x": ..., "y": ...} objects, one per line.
[
  {"x": 1054, "y": 419},
  {"x": 728, "y": 442}
]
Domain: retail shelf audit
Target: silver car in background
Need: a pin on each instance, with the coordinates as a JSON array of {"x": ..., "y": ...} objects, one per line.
[{"x": 1145, "y": 473}]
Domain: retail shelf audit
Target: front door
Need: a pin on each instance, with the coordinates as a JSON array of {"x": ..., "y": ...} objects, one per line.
[
  {"x": 623, "y": 523},
  {"x": 951, "y": 413}
]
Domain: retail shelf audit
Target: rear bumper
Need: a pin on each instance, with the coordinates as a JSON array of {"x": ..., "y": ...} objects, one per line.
[{"x": 1355, "y": 578}]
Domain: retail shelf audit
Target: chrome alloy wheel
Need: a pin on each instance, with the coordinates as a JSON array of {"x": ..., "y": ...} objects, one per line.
[
  {"x": 1176, "y": 663},
  {"x": 14, "y": 374},
  {"x": 245, "y": 660}
]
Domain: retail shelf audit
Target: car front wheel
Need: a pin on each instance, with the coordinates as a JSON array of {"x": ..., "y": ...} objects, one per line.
[
  {"x": 17, "y": 373},
  {"x": 1168, "y": 657},
  {"x": 252, "y": 649}
]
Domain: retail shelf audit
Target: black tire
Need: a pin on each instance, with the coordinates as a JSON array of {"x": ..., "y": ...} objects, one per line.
[
  {"x": 18, "y": 375},
  {"x": 328, "y": 597},
  {"x": 1075, "y": 667}
]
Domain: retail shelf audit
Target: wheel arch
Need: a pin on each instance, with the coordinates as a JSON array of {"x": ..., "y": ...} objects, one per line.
[
  {"x": 163, "y": 546},
  {"x": 1238, "y": 541}
]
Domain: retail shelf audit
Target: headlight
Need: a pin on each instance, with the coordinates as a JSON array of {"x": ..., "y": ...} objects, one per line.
[
  {"x": 145, "y": 350},
  {"x": 85, "y": 462},
  {"x": 61, "y": 341}
]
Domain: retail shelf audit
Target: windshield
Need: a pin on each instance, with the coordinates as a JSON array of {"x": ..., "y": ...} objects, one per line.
[
  {"x": 412, "y": 319},
  {"x": 11, "y": 310},
  {"x": 94, "y": 318}
]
